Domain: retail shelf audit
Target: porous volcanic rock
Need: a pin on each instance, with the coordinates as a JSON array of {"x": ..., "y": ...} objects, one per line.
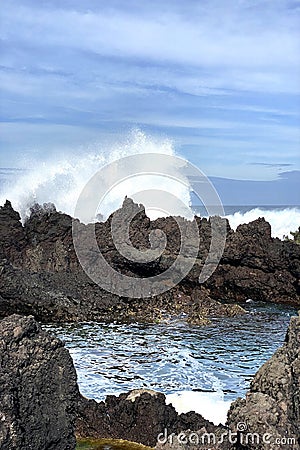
[
  {"x": 71, "y": 297},
  {"x": 12, "y": 234},
  {"x": 256, "y": 266},
  {"x": 38, "y": 388},
  {"x": 40, "y": 273},
  {"x": 139, "y": 416}
]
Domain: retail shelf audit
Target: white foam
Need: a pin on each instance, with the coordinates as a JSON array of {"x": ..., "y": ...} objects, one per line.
[
  {"x": 282, "y": 221},
  {"x": 61, "y": 180},
  {"x": 211, "y": 405}
]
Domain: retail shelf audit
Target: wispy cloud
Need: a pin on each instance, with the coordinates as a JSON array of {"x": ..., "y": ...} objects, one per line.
[
  {"x": 245, "y": 46},
  {"x": 220, "y": 75}
]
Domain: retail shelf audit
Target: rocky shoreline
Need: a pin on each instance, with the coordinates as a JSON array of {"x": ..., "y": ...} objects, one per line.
[
  {"x": 41, "y": 274},
  {"x": 41, "y": 280},
  {"x": 41, "y": 407}
]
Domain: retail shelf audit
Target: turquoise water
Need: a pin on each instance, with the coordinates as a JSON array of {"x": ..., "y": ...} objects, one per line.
[{"x": 174, "y": 357}]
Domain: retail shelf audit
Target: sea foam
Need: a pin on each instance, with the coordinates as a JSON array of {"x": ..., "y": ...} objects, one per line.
[
  {"x": 60, "y": 180},
  {"x": 211, "y": 405},
  {"x": 282, "y": 221}
]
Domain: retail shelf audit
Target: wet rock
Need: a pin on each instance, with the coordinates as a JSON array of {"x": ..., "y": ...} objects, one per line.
[
  {"x": 204, "y": 307},
  {"x": 254, "y": 265},
  {"x": 38, "y": 389},
  {"x": 139, "y": 416},
  {"x": 239, "y": 283}
]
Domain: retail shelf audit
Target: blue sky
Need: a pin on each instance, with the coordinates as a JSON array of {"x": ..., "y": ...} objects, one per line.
[{"x": 221, "y": 78}]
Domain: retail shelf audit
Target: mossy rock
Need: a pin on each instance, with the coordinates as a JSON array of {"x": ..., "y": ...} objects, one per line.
[{"x": 108, "y": 444}]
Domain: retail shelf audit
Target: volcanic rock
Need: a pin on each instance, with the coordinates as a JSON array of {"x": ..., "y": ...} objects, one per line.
[
  {"x": 41, "y": 275},
  {"x": 140, "y": 415},
  {"x": 38, "y": 388}
]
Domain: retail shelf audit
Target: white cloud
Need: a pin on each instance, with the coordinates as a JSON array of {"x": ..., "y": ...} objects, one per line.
[
  {"x": 212, "y": 72},
  {"x": 227, "y": 36}
]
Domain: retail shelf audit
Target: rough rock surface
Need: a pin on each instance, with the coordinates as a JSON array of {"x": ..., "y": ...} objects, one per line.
[
  {"x": 257, "y": 266},
  {"x": 139, "y": 415},
  {"x": 70, "y": 297},
  {"x": 41, "y": 275},
  {"x": 38, "y": 388}
]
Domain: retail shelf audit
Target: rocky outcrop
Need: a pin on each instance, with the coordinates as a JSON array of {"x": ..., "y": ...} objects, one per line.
[
  {"x": 202, "y": 306},
  {"x": 140, "y": 415},
  {"x": 41, "y": 275},
  {"x": 12, "y": 234},
  {"x": 38, "y": 389},
  {"x": 72, "y": 296},
  {"x": 256, "y": 266},
  {"x": 272, "y": 406}
]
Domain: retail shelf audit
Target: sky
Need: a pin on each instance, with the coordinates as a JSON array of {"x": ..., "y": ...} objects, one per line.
[{"x": 220, "y": 78}]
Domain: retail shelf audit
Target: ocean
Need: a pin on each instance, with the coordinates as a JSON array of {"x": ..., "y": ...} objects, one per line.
[{"x": 198, "y": 368}]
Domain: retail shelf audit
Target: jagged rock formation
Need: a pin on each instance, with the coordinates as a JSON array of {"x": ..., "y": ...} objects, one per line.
[
  {"x": 38, "y": 388},
  {"x": 139, "y": 415},
  {"x": 257, "y": 266},
  {"x": 41, "y": 275}
]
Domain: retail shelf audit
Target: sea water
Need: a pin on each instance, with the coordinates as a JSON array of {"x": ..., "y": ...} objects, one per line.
[{"x": 198, "y": 368}]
